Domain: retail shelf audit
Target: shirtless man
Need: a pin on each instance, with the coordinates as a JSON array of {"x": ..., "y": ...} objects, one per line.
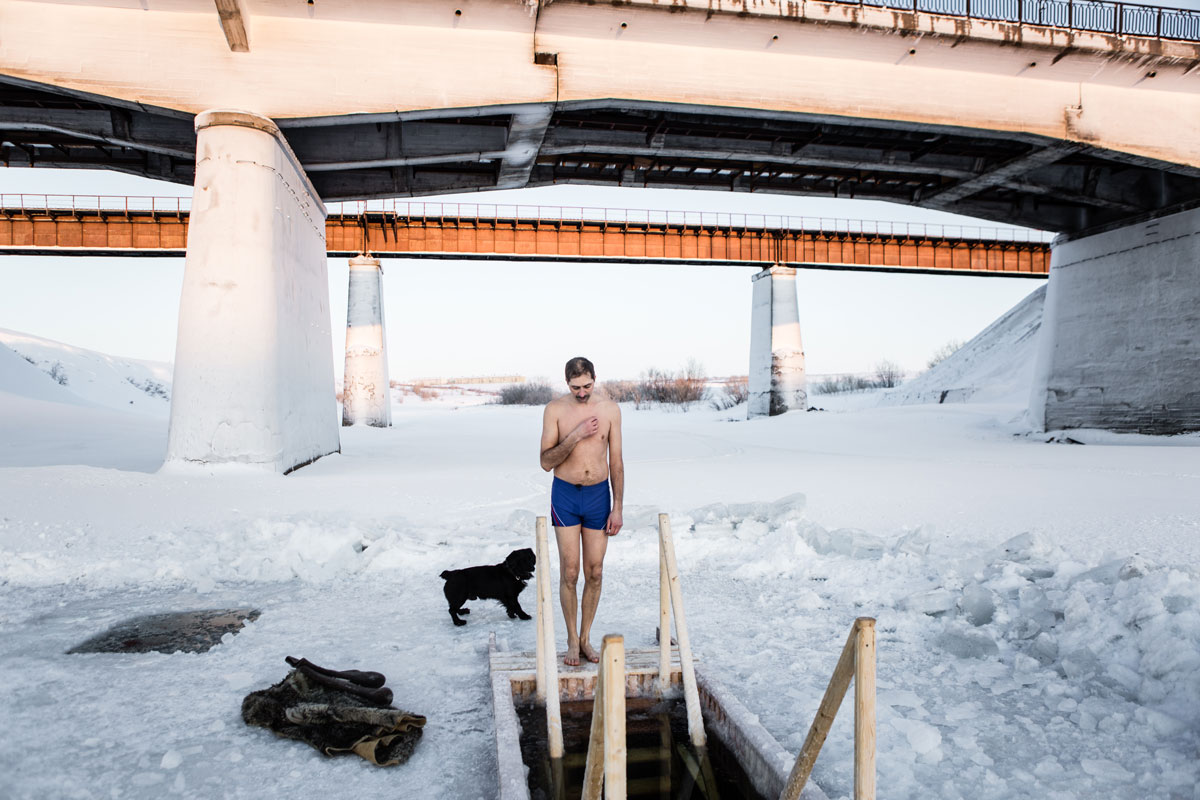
[{"x": 581, "y": 442}]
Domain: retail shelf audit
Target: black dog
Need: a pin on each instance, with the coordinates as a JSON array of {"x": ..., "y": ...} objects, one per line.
[{"x": 501, "y": 582}]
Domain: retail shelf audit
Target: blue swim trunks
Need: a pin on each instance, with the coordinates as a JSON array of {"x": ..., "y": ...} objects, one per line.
[{"x": 575, "y": 504}]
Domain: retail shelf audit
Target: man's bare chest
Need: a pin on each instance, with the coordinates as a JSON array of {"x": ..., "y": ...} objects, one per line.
[{"x": 569, "y": 420}]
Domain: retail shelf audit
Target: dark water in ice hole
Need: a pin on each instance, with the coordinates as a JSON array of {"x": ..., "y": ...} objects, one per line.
[{"x": 657, "y": 743}]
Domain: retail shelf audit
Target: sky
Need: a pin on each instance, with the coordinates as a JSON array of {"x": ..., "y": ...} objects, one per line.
[{"x": 460, "y": 318}]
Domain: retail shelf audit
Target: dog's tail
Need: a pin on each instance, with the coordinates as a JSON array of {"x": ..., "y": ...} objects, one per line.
[{"x": 445, "y": 575}]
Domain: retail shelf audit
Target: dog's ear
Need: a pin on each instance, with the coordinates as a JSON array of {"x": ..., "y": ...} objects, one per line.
[{"x": 521, "y": 562}]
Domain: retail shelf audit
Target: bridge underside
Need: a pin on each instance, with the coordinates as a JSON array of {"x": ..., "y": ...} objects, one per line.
[{"x": 1008, "y": 177}]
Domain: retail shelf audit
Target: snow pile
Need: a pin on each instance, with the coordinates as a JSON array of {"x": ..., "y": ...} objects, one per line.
[
  {"x": 994, "y": 367},
  {"x": 1032, "y": 664},
  {"x": 97, "y": 379},
  {"x": 1124, "y": 629}
]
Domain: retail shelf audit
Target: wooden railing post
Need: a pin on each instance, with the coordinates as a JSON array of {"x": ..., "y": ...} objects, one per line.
[
  {"x": 691, "y": 695},
  {"x": 612, "y": 653},
  {"x": 856, "y": 662},
  {"x": 593, "y": 771},
  {"x": 864, "y": 709},
  {"x": 539, "y": 609},
  {"x": 664, "y": 624},
  {"x": 548, "y": 668}
]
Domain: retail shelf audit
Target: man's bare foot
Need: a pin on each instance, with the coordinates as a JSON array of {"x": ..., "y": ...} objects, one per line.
[
  {"x": 589, "y": 653},
  {"x": 571, "y": 659}
]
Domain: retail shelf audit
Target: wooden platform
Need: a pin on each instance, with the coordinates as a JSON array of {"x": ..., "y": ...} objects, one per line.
[
  {"x": 579, "y": 683},
  {"x": 514, "y": 683}
]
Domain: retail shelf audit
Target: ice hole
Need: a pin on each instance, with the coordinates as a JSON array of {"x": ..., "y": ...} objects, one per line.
[{"x": 186, "y": 631}]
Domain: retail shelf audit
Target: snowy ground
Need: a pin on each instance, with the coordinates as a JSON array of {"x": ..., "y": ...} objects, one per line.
[{"x": 1038, "y": 603}]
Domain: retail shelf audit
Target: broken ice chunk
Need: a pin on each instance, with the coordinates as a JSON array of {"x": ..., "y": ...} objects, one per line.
[
  {"x": 932, "y": 602},
  {"x": 856, "y": 543},
  {"x": 790, "y": 506},
  {"x": 967, "y": 643},
  {"x": 977, "y": 604},
  {"x": 916, "y": 542}
]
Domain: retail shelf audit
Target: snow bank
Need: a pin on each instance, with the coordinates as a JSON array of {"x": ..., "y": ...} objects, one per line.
[
  {"x": 43, "y": 422},
  {"x": 95, "y": 378},
  {"x": 994, "y": 367}
]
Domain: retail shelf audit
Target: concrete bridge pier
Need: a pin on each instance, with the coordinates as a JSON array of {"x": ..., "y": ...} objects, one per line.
[
  {"x": 254, "y": 357},
  {"x": 1120, "y": 340},
  {"x": 777, "y": 380},
  {"x": 366, "y": 399}
]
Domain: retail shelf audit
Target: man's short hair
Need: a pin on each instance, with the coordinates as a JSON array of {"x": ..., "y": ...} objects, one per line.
[{"x": 580, "y": 366}]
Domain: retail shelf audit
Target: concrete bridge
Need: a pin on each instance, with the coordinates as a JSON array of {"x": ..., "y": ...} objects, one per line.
[{"x": 1067, "y": 116}]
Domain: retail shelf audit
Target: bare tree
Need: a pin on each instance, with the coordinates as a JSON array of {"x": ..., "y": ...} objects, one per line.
[
  {"x": 888, "y": 374},
  {"x": 945, "y": 351}
]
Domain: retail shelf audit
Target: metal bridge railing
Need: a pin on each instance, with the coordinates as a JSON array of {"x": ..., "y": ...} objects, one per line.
[
  {"x": 92, "y": 202},
  {"x": 35, "y": 203},
  {"x": 712, "y": 219},
  {"x": 1098, "y": 16}
]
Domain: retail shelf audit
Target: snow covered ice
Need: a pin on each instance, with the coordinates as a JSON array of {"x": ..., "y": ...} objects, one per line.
[{"x": 1038, "y": 604}]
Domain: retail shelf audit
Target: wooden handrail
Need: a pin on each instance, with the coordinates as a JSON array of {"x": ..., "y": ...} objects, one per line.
[
  {"x": 547, "y": 653},
  {"x": 664, "y": 624},
  {"x": 856, "y": 662},
  {"x": 691, "y": 695},
  {"x": 606, "y": 743}
]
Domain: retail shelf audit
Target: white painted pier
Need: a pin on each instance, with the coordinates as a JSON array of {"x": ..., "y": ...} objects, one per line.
[
  {"x": 254, "y": 356},
  {"x": 366, "y": 394},
  {"x": 777, "y": 383}
]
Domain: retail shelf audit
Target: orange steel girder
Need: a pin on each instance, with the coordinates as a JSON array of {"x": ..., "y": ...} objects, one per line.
[{"x": 93, "y": 232}]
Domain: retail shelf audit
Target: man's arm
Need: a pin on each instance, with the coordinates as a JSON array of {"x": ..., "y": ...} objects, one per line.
[
  {"x": 616, "y": 474},
  {"x": 555, "y": 452}
]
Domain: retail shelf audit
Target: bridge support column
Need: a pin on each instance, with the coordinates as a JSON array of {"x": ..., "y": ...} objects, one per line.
[
  {"x": 776, "y": 352},
  {"x": 1120, "y": 340},
  {"x": 254, "y": 357},
  {"x": 366, "y": 399}
]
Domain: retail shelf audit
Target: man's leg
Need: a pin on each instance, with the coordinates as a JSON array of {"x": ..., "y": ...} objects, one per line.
[
  {"x": 594, "y": 545},
  {"x": 568, "y": 576}
]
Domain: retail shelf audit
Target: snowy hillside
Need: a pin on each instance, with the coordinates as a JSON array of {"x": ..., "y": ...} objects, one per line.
[
  {"x": 20, "y": 377},
  {"x": 994, "y": 367},
  {"x": 88, "y": 412},
  {"x": 94, "y": 378}
]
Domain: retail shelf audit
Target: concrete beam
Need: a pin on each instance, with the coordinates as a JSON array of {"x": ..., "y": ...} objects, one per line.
[
  {"x": 998, "y": 175},
  {"x": 525, "y": 134},
  {"x": 233, "y": 24},
  {"x": 121, "y": 128},
  {"x": 695, "y": 155},
  {"x": 788, "y": 150}
]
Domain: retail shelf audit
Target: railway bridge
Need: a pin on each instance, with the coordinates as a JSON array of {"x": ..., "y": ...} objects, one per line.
[{"x": 1064, "y": 115}]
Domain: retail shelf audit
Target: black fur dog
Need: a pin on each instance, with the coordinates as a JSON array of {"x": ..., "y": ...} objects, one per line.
[{"x": 501, "y": 582}]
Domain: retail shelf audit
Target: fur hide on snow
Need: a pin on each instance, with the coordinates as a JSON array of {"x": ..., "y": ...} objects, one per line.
[{"x": 334, "y": 721}]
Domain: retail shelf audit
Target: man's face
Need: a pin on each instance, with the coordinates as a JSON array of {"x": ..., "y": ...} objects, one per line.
[{"x": 581, "y": 387}]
